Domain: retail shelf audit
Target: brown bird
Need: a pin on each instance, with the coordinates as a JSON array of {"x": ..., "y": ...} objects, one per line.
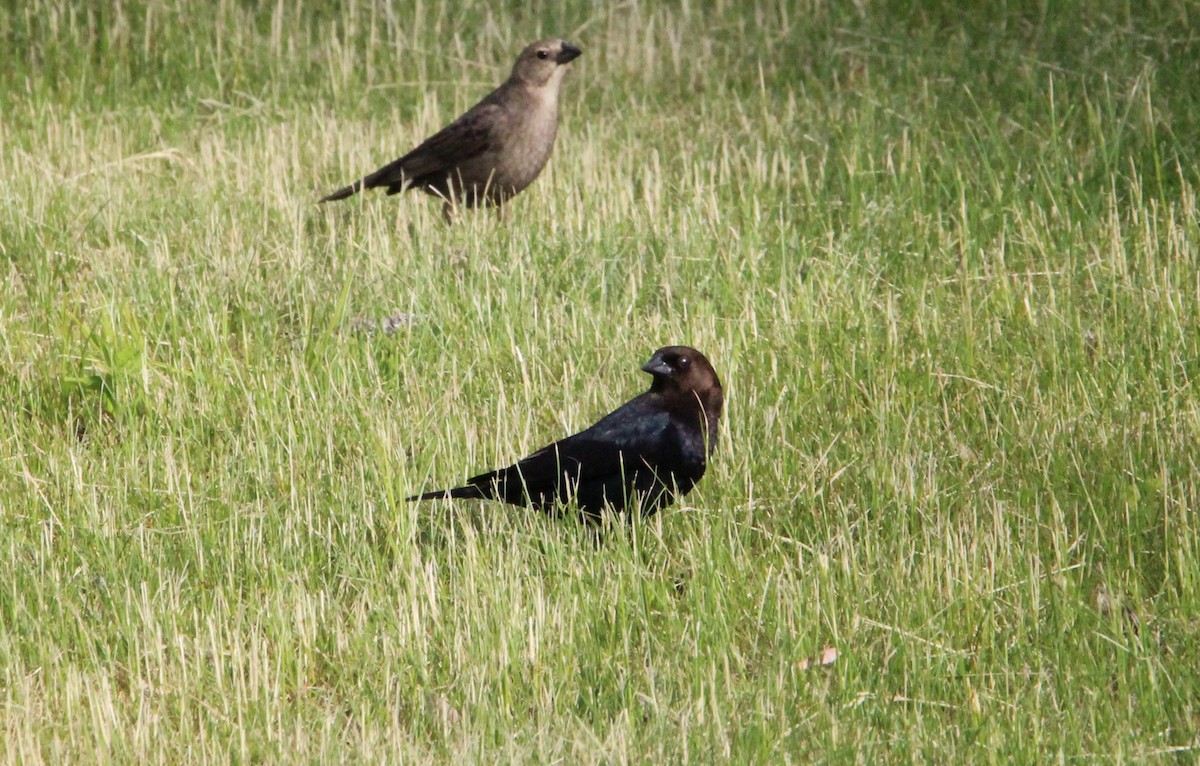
[
  {"x": 493, "y": 151},
  {"x": 642, "y": 455}
]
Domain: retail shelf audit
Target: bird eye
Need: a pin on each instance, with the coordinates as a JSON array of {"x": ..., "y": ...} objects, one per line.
[
  {"x": 684, "y": 362},
  {"x": 543, "y": 54}
]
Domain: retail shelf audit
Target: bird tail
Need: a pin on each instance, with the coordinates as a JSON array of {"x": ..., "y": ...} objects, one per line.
[
  {"x": 470, "y": 492},
  {"x": 344, "y": 192},
  {"x": 391, "y": 175}
]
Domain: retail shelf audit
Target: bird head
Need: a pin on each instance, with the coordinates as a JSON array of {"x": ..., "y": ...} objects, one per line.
[
  {"x": 684, "y": 370},
  {"x": 542, "y": 62}
]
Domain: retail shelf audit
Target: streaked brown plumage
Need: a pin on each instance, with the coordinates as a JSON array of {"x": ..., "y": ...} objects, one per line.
[
  {"x": 494, "y": 150},
  {"x": 642, "y": 455}
]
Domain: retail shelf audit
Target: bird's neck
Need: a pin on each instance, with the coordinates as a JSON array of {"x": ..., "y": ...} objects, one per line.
[{"x": 545, "y": 92}]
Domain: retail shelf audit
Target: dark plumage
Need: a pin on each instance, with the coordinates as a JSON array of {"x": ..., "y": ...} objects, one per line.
[
  {"x": 643, "y": 454},
  {"x": 493, "y": 151}
]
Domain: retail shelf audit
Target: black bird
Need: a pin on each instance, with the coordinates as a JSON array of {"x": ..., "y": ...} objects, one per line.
[
  {"x": 642, "y": 455},
  {"x": 494, "y": 150}
]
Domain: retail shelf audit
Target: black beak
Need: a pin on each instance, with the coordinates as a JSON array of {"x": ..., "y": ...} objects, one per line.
[
  {"x": 568, "y": 54},
  {"x": 657, "y": 366}
]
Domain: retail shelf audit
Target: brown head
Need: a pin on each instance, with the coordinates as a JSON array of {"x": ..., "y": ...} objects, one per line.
[
  {"x": 687, "y": 381},
  {"x": 544, "y": 62}
]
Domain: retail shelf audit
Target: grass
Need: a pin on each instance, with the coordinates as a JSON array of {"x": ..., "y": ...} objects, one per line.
[{"x": 943, "y": 257}]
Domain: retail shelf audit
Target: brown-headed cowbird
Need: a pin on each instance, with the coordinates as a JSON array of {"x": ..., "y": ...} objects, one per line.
[
  {"x": 494, "y": 150},
  {"x": 641, "y": 455}
]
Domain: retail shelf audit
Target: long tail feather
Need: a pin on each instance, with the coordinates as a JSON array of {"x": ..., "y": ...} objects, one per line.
[
  {"x": 470, "y": 492},
  {"x": 344, "y": 192}
]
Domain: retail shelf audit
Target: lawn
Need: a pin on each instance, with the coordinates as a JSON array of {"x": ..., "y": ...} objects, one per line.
[{"x": 945, "y": 258}]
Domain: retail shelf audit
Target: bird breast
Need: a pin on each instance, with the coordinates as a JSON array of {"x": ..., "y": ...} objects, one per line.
[{"x": 530, "y": 142}]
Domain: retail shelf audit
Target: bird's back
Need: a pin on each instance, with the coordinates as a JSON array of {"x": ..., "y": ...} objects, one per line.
[{"x": 639, "y": 453}]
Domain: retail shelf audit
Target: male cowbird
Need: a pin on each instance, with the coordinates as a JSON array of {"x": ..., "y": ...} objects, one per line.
[
  {"x": 640, "y": 456},
  {"x": 494, "y": 150}
]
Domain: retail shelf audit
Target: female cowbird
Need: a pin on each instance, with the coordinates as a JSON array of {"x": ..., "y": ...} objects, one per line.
[
  {"x": 495, "y": 149},
  {"x": 640, "y": 456}
]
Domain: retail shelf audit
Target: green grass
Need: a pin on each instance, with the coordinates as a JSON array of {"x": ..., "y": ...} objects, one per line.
[{"x": 944, "y": 257}]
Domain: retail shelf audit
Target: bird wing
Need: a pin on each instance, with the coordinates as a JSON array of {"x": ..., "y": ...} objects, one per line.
[
  {"x": 468, "y": 137},
  {"x": 614, "y": 447}
]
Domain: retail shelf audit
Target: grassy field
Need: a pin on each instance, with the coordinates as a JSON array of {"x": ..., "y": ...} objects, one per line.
[{"x": 944, "y": 257}]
